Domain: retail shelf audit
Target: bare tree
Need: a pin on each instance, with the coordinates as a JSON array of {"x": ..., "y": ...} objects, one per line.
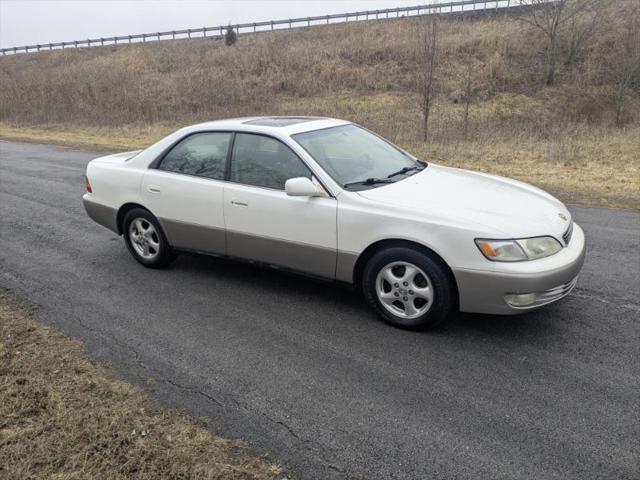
[
  {"x": 581, "y": 30},
  {"x": 427, "y": 63},
  {"x": 624, "y": 62},
  {"x": 549, "y": 17},
  {"x": 468, "y": 94}
]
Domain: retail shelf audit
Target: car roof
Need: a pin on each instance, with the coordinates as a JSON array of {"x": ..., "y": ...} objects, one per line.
[{"x": 278, "y": 125}]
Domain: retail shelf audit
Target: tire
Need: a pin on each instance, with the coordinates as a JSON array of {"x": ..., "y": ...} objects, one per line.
[
  {"x": 151, "y": 248},
  {"x": 427, "y": 298}
]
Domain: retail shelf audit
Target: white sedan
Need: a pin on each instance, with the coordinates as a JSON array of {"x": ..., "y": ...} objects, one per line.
[{"x": 330, "y": 199}]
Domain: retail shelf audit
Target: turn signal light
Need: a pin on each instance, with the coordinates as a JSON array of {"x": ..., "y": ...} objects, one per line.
[
  {"x": 486, "y": 248},
  {"x": 87, "y": 185}
]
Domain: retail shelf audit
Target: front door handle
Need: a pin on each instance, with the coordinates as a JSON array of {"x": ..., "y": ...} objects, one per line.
[
  {"x": 239, "y": 203},
  {"x": 153, "y": 188}
]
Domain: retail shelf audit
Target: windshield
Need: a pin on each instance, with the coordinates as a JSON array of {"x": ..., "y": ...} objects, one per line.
[{"x": 355, "y": 157}]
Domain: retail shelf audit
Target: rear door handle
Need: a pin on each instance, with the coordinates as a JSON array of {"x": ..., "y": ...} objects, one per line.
[
  {"x": 153, "y": 189},
  {"x": 239, "y": 203}
]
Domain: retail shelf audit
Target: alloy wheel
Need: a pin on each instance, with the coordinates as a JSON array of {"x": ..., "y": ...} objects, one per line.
[
  {"x": 144, "y": 238},
  {"x": 404, "y": 289}
]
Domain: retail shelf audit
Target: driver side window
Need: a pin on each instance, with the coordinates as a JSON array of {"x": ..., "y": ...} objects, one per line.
[{"x": 264, "y": 162}]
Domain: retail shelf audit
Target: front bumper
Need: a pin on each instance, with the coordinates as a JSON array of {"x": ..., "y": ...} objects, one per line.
[{"x": 550, "y": 279}]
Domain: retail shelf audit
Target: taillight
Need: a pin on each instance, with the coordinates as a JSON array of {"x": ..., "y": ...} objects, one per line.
[{"x": 87, "y": 185}]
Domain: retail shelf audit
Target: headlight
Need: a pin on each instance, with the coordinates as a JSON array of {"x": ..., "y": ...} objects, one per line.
[
  {"x": 540, "y": 247},
  {"x": 518, "y": 250}
]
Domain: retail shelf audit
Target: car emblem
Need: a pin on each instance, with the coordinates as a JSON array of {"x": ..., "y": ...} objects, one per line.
[{"x": 563, "y": 216}]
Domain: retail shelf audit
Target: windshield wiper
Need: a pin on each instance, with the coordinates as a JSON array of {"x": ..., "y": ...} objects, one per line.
[
  {"x": 406, "y": 170},
  {"x": 368, "y": 181}
]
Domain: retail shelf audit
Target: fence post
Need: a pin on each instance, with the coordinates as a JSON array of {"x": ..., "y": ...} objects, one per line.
[
  {"x": 271, "y": 24},
  {"x": 158, "y": 36},
  {"x": 129, "y": 38},
  {"x": 189, "y": 32},
  {"x": 327, "y": 19},
  {"x": 308, "y": 22},
  {"x": 144, "y": 37}
]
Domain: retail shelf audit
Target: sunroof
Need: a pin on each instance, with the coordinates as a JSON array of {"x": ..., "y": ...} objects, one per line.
[{"x": 279, "y": 121}]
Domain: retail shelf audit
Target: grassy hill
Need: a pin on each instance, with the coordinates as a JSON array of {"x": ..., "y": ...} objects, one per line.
[{"x": 563, "y": 137}]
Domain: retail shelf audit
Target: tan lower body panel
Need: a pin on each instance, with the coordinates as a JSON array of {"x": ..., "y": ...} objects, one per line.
[
  {"x": 295, "y": 256},
  {"x": 309, "y": 259},
  {"x": 101, "y": 214},
  {"x": 194, "y": 237}
]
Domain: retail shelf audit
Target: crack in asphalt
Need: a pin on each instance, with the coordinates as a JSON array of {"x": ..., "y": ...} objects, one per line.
[
  {"x": 309, "y": 444},
  {"x": 194, "y": 391},
  {"x": 581, "y": 292}
]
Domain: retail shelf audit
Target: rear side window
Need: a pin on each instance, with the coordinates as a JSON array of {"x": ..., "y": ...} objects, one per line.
[
  {"x": 264, "y": 162},
  {"x": 201, "y": 154}
]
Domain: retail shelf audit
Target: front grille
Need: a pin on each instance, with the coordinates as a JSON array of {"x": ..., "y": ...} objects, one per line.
[{"x": 566, "y": 236}]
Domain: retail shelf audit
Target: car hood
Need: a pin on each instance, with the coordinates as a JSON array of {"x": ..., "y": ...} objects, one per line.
[{"x": 510, "y": 208}]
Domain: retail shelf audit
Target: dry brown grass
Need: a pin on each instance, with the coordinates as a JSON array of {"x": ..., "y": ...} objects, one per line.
[
  {"x": 64, "y": 417},
  {"x": 561, "y": 138},
  {"x": 203, "y": 79}
]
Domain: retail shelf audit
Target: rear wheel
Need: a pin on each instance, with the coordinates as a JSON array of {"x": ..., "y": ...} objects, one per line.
[
  {"x": 145, "y": 239},
  {"x": 408, "y": 288}
]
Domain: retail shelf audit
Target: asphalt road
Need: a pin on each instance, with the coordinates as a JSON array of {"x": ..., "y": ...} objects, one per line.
[{"x": 305, "y": 372}]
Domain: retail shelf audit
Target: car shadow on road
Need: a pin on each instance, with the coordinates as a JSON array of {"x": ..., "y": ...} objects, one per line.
[
  {"x": 327, "y": 294},
  {"x": 537, "y": 324}
]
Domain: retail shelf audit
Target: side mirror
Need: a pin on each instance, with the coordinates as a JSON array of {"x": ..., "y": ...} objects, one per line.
[{"x": 302, "y": 187}]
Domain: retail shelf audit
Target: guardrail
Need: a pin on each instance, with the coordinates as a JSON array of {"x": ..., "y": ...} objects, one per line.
[{"x": 456, "y": 7}]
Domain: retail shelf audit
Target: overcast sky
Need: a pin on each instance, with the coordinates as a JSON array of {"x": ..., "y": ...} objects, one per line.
[{"x": 30, "y": 22}]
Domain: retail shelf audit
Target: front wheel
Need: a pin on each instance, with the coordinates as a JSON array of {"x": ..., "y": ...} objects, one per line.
[
  {"x": 145, "y": 239},
  {"x": 409, "y": 288}
]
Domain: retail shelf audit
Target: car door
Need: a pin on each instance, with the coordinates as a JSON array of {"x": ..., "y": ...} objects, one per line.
[
  {"x": 185, "y": 191},
  {"x": 263, "y": 222}
]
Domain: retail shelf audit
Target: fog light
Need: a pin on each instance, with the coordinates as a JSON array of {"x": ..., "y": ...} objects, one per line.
[{"x": 520, "y": 299}]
